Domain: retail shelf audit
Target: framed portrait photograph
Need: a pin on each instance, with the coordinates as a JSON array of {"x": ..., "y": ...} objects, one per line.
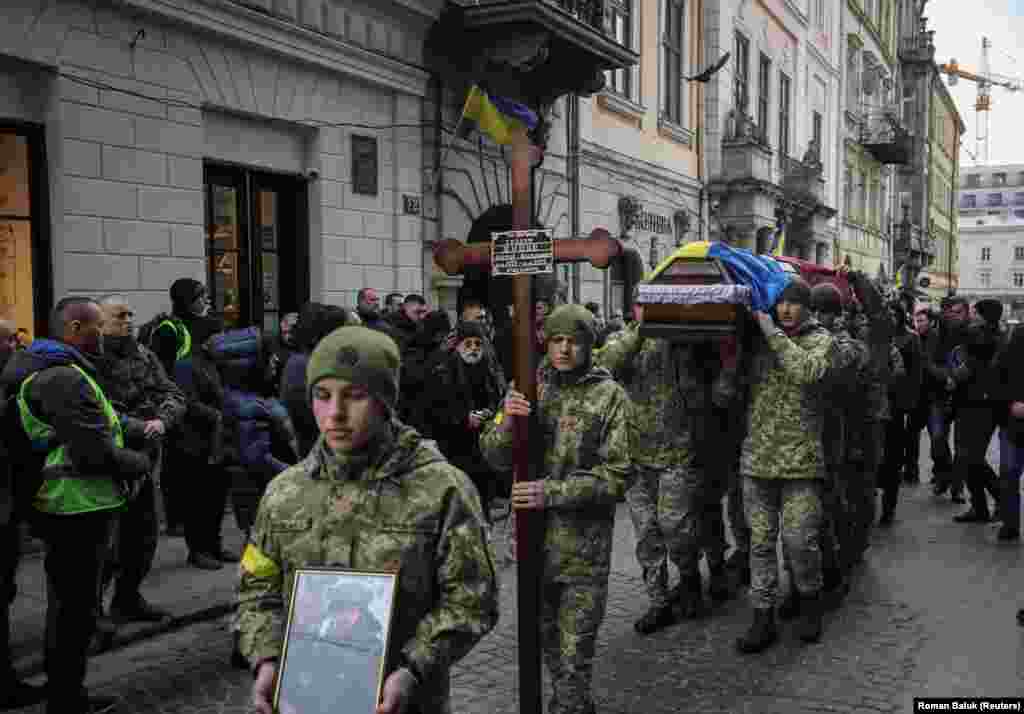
[{"x": 336, "y": 641}]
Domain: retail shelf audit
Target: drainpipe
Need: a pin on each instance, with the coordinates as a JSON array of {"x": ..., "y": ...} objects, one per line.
[{"x": 572, "y": 131}]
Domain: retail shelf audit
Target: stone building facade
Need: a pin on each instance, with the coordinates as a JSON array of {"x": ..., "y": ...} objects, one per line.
[
  {"x": 991, "y": 228},
  {"x": 770, "y": 121},
  {"x": 271, "y": 148}
]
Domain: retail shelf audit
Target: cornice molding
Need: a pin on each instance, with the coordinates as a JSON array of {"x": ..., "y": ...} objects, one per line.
[
  {"x": 602, "y": 157},
  {"x": 288, "y": 39}
]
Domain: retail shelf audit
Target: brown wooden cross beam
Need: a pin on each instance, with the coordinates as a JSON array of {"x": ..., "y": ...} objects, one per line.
[{"x": 600, "y": 249}]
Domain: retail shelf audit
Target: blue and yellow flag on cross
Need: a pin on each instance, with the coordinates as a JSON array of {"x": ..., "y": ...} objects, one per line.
[
  {"x": 495, "y": 116},
  {"x": 779, "y": 240}
]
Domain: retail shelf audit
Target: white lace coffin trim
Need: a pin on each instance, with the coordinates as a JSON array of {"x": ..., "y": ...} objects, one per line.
[{"x": 693, "y": 294}]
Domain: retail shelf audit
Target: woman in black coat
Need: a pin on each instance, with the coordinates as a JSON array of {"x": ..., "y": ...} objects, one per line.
[{"x": 1011, "y": 435}]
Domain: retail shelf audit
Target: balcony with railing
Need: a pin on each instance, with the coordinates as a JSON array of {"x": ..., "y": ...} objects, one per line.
[
  {"x": 884, "y": 136},
  {"x": 537, "y": 49},
  {"x": 918, "y": 48}
]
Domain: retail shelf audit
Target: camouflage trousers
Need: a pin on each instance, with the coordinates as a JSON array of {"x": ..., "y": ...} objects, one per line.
[
  {"x": 667, "y": 507},
  {"x": 796, "y": 504},
  {"x": 571, "y": 614},
  {"x": 737, "y": 516}
]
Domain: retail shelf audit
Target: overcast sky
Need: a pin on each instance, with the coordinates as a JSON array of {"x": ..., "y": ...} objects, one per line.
[{"x": 959, "y": 27}]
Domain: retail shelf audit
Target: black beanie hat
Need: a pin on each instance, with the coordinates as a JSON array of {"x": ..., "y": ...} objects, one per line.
[
  {"x": 184, "y": 291},
  {"x": 826, "y": 298},
  {"x": 991, "y": 311},
  {"x": 798, "y": 291},
  {"x": 470, "y": 328}
]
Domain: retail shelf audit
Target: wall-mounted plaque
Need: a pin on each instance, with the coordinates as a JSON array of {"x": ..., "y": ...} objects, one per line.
[
  {"x": 410, "y": 205},
  {"x": 365, "y": 166}
]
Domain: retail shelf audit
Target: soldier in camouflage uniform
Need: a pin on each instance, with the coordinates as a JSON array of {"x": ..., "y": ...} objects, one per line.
[
  {"x": 371, "y": 495},
  {"x": 783, "y": 464},
  {"x": 866, "y": 431},
  {"x": 667, "y": 501},
  {"x": 150, "y": 405},
  {"x": 843, "y": 401},
  {"x": 583, "y": 415}
]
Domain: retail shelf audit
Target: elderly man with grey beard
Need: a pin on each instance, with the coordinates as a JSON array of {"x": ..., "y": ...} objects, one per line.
[{"x": 150, "y": 405}]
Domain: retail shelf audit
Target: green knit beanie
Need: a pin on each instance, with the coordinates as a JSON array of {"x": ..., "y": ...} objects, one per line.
[
  {"x": 574, "y": 320},
  {"x": 358, "y": 355}
]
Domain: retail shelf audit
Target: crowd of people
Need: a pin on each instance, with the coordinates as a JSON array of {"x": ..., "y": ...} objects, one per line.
[{"x": 379, "y": 438}]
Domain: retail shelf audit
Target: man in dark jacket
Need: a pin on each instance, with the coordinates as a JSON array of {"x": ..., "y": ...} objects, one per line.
[
  {"x": 189, "y": 474},
  {"x": 316, "y": 321},
  {"x": 278, "y": 349},
  {"x": 1011, "y": 435},
  {"x": 173, "y": 341},
  {"x": 904, "y": 392},
  {"x": 140, "y": 390},
  {"x": 463, "y": 392},
  {"x": 84, "y": 484},
  {"x": 368, "y": 309},
  {"x": 978, "y": 404},
  {"x": 917, "y": 419},
  {"x": 14, "y": 694},
  {"x": 938, "y": 366}
]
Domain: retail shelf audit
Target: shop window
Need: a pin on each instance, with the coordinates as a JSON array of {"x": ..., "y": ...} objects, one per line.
[
  {"x": 257, "y": 246},
  {"x": 25, "y": 292}
]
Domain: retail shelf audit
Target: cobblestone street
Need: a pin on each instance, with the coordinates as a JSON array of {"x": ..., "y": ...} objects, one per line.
[{"x": 931, "y": 614}]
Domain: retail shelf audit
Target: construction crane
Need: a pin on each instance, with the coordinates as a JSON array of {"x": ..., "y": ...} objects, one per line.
[{"x": 985, "y": 79}]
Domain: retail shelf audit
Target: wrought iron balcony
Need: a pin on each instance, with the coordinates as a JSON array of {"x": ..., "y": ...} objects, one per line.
[
  {"x": 533, "y": 50},
  {"x": 918, "y": 48},
  {"x": 885, "y": 138}
]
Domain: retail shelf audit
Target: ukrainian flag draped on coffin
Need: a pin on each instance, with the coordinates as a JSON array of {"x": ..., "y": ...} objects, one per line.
[
  {"x": 761, "y": 273},
  {"x": 497, "y": 117}
]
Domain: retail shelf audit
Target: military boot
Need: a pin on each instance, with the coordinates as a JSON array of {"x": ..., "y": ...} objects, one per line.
[
  {"x": 739, "y": 562},
  {"x": 688, "y": 598},
  {"x": 790, "y": 607},
  {"x": 719, "y": 587},
  {"x": 762, "y": 633},
  {"x": 809, "y": 627},
  {"x": 656, "y": 618}
]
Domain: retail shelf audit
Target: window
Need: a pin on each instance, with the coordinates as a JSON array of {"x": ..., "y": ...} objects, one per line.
[
  {"x": 257, "y": 245},
  {"x": 784, "y": 99},
  {"x": 986, "y": 254},
  {"x": 1018, "y": 280},
  {"x": 862, "y": 211},
  {"x": 1018, "y": 252},
  {"x": 816, "y": 135},
  {"x": 873, "y": 206},
  {"x": 985, "y": 277},
  {"x": 25, "y": 280},
  {"x": 999, "y": 179},
  {"x": 973, "y": 180},
  {"x": 994, "y": 199},
  {"x": 674, "y": 18},
  {"x": 818, "y": 15},
  {"x": 1018, "y": 199},
  {"x": 620, "y": 17},
  {"x": 1020, "y": 178},
  {"x": 848, "y": 194},
  {"x": 741, "y": 75},
  {"x": 764, "y": 81},
  {"x": 968, "y": 200}
]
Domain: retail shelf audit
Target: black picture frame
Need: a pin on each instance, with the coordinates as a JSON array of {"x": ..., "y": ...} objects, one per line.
[
  {"x": 365, "y": 165},
  {"x": 336, "y": 641}
]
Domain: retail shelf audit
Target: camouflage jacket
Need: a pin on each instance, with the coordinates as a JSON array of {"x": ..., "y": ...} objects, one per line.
[
  {"x": 786, "y": 407},
  {"x": 586, "y": 469},
  {"x": 137, "y": 385},
  {"x": 661, "y": 384},
  {"x": 401, "y": 507}
]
